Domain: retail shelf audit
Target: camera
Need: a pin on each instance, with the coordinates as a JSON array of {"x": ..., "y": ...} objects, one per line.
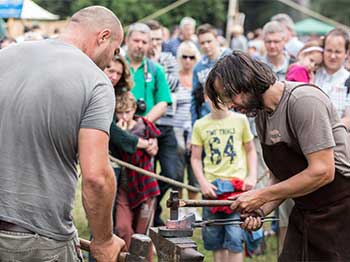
[{"x": 140, "y": 106}]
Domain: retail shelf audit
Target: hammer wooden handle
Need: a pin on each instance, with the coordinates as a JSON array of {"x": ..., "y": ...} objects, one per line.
[{"x": 204, "y": 203}]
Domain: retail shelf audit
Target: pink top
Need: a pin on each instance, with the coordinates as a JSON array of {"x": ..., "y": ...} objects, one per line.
[{"x": 297, "y": 73}]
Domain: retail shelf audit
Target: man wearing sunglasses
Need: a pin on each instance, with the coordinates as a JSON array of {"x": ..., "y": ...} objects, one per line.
[{"x": 210, "y": 47}]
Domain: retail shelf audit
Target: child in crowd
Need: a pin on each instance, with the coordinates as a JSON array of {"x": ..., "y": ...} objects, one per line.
[
  {"x": 310, "y": 58},
  {"x": 229, "y": 163},
  {"x": 135, "y": 204}
]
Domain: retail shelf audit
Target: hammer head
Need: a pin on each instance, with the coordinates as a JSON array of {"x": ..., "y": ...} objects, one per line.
[{"x": 173, "y": 203}]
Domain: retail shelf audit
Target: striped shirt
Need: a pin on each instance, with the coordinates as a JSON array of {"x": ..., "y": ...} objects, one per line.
[
  {"x": 182, "y": 117},
  {"x": 171, "y": 68}
]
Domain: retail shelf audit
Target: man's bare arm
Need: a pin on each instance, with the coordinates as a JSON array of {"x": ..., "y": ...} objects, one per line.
[
  {"x": 157, "y": 111},
  {"x": 270, "y": 206},
  {"x": 208, "y": 189},
  {"x": 98, "y": 189},
  {"x": 320, "y": 171},
  {"x": 250, "y": 180}
]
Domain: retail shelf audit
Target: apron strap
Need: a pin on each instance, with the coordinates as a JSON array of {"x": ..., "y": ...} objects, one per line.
[{"x": 305, "y": 237}]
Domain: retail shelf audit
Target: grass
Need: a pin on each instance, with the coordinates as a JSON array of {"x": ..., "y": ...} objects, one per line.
[{"x": 82, "y": 226}]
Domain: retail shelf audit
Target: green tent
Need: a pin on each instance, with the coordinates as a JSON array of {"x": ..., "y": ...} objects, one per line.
[{"x": 311, "y": 26}]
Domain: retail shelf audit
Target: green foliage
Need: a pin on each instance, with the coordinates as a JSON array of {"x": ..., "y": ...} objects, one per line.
[
  {"x": 59, "y": 7},
  {"x": 130, "y": 11},
  {"x": 258, "y": 12},
  {"x": 336, "y": 9}
]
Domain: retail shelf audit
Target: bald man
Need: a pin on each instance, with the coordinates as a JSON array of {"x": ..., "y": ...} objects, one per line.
[{"x": 56, "y": 108}]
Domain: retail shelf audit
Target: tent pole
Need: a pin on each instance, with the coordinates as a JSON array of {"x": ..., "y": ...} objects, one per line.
[{"x": 314, "y": 14}]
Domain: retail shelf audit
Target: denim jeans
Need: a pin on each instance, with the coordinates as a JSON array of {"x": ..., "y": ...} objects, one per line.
[
  {"x": 167, "y": 157},
  {"x": 27, "y": 247}
]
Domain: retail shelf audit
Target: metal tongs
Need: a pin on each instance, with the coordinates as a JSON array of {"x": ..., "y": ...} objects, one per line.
[
  {"x": 189, "y": 222},
  {"x": 228, "y": 221}
]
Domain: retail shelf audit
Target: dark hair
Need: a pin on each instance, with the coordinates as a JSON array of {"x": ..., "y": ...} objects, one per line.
[
  {"x": 238, "y": 73},
  {"x": 206, "y": 28},
  {"x": 153, "y": 24},
  {"x": 125, "y": 83},
  {"x": 338, "y": 32}
]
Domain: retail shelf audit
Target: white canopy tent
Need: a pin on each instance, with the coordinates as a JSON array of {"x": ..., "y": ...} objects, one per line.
[
  {"x": 21, "y": 13},
  {"x": 32, "y": 11}
]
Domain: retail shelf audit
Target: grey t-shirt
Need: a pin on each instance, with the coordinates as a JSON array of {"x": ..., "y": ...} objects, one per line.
[
  {"x": 48, "y": 91},
  {"x": 313, "y": 121}
]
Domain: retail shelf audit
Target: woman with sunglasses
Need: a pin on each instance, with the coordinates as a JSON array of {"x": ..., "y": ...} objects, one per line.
[{"x": 187, "y": 56}]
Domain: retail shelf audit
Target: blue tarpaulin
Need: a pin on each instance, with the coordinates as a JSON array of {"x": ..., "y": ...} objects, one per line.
[{"x": 11, "y": 8}]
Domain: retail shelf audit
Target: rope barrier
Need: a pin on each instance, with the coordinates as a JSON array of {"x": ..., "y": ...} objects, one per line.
[
  {"x": 162, "y": 178},
  {"x": 156, "y": 176}
]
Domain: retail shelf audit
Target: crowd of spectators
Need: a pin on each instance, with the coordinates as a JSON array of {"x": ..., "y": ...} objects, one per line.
[{"x": 159, "y": 82}]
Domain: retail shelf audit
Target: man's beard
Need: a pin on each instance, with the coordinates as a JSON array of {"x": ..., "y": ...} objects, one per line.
[
  {"x": 138, "y": 56},
  {"x": 253, "y": 105}
]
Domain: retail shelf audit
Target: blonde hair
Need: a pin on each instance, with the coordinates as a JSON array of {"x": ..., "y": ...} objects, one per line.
[
  {"x": 125, "y": 101},
  {"x": 187, "y": 45},
  {"x": 187, "y": 21}
]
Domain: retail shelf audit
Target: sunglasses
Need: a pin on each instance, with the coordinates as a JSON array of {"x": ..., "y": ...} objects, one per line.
[{"x": 191, "y": 57}]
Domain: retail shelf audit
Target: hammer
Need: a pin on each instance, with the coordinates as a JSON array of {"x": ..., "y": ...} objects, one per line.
[{"x": 174, "y": 203}]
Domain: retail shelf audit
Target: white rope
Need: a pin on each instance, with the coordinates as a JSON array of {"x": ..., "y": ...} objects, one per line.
[{"x": 151, "y": 174}]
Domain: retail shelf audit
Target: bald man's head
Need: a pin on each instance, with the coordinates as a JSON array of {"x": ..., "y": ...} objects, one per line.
[
  {"x": 97, "y": 18},
  {"x": 97, "y": 31}
]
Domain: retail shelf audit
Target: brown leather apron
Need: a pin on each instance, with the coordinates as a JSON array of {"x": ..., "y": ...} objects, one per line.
[{"x": 319, "y": 225}]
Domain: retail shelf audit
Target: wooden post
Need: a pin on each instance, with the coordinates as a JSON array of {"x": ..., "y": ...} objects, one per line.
[{"x": 231, "y": 16}]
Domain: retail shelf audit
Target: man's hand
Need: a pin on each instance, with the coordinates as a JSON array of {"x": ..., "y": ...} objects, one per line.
[
  {"x": 247, "y": 202},
  {"x": 208, "y": 189},
  {"x": 152, "y": 148},
  {"x": 107, "y": 251},
  {"x": 251, "y": 222},
  {"x": 249, "y": 183}
]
